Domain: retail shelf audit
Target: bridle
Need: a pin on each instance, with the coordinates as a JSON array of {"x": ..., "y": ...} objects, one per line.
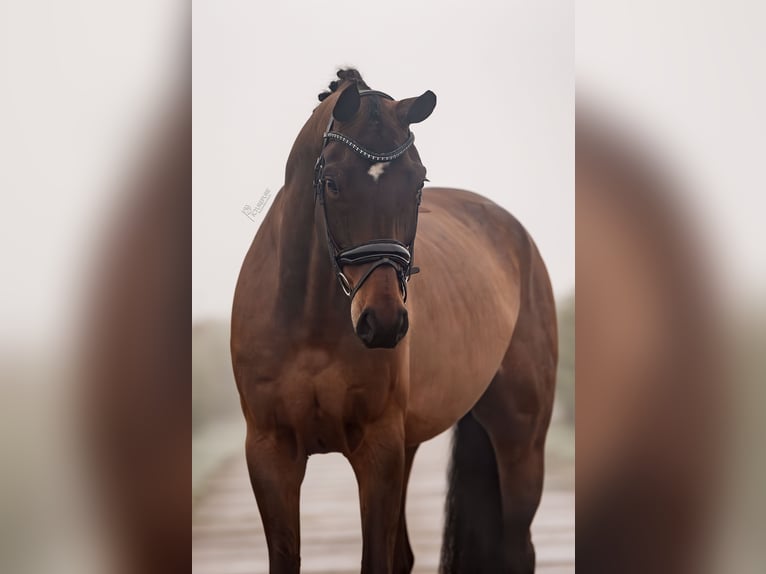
[{"x": 379, "y": 252}]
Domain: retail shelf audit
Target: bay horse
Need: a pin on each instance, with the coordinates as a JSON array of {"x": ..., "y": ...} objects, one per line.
[{"x": 363, "y": 353}]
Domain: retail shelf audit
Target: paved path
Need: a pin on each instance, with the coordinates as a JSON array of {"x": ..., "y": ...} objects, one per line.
[{"x": 228, "y": 537}]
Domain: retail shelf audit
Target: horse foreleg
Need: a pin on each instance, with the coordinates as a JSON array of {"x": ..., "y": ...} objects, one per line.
[
  {"x": 379, "y": 464},
  {"x": 276, "y": 473},
  {"x": 403, "y": 556}
]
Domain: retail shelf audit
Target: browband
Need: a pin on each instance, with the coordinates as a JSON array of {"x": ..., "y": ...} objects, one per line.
[{"x": 371, "y": 155}]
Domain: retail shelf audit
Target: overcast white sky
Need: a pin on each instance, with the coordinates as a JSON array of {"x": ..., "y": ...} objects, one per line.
[{"x": 503, "y": 73}]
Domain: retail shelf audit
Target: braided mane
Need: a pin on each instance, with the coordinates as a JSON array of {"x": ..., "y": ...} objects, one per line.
[{"x": 347, "y": 74}]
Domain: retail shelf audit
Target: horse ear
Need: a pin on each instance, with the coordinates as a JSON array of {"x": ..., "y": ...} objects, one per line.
[
  {"x": 415, "y": 110},
  {"x": 347, "y": 104}
]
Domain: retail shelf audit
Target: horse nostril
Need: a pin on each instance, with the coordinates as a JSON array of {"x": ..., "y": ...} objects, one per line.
[
  {"x": 365, "y": 327},
  {"x": 386, "y": 335}
]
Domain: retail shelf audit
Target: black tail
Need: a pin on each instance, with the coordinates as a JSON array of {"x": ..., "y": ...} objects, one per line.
[{"x": 473, "y": 524}]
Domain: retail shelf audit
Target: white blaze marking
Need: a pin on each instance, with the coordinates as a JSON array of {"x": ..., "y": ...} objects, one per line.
[{"x": 376, "y": 170}]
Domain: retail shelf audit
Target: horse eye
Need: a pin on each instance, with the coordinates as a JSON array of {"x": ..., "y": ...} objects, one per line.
[{"x": 330, "y": 185}]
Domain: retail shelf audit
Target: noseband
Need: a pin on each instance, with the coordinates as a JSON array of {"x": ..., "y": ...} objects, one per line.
[{"x": 379, "y": 252}]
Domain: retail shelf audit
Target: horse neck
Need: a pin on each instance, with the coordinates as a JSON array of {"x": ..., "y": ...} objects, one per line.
[{"x": 308, "y": 289}]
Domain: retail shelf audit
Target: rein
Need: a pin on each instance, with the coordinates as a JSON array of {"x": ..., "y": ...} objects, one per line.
[{"x": 379, "y": 252}]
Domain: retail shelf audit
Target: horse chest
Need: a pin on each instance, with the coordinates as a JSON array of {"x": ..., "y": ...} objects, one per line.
[{"x": 328, "y": 402}]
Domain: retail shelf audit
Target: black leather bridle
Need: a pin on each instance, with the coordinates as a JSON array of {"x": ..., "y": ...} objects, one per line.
[{"x": 379, "y": 252}]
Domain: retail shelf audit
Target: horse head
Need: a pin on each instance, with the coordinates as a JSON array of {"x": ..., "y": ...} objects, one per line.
[{"x": 368, "y": 182}]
